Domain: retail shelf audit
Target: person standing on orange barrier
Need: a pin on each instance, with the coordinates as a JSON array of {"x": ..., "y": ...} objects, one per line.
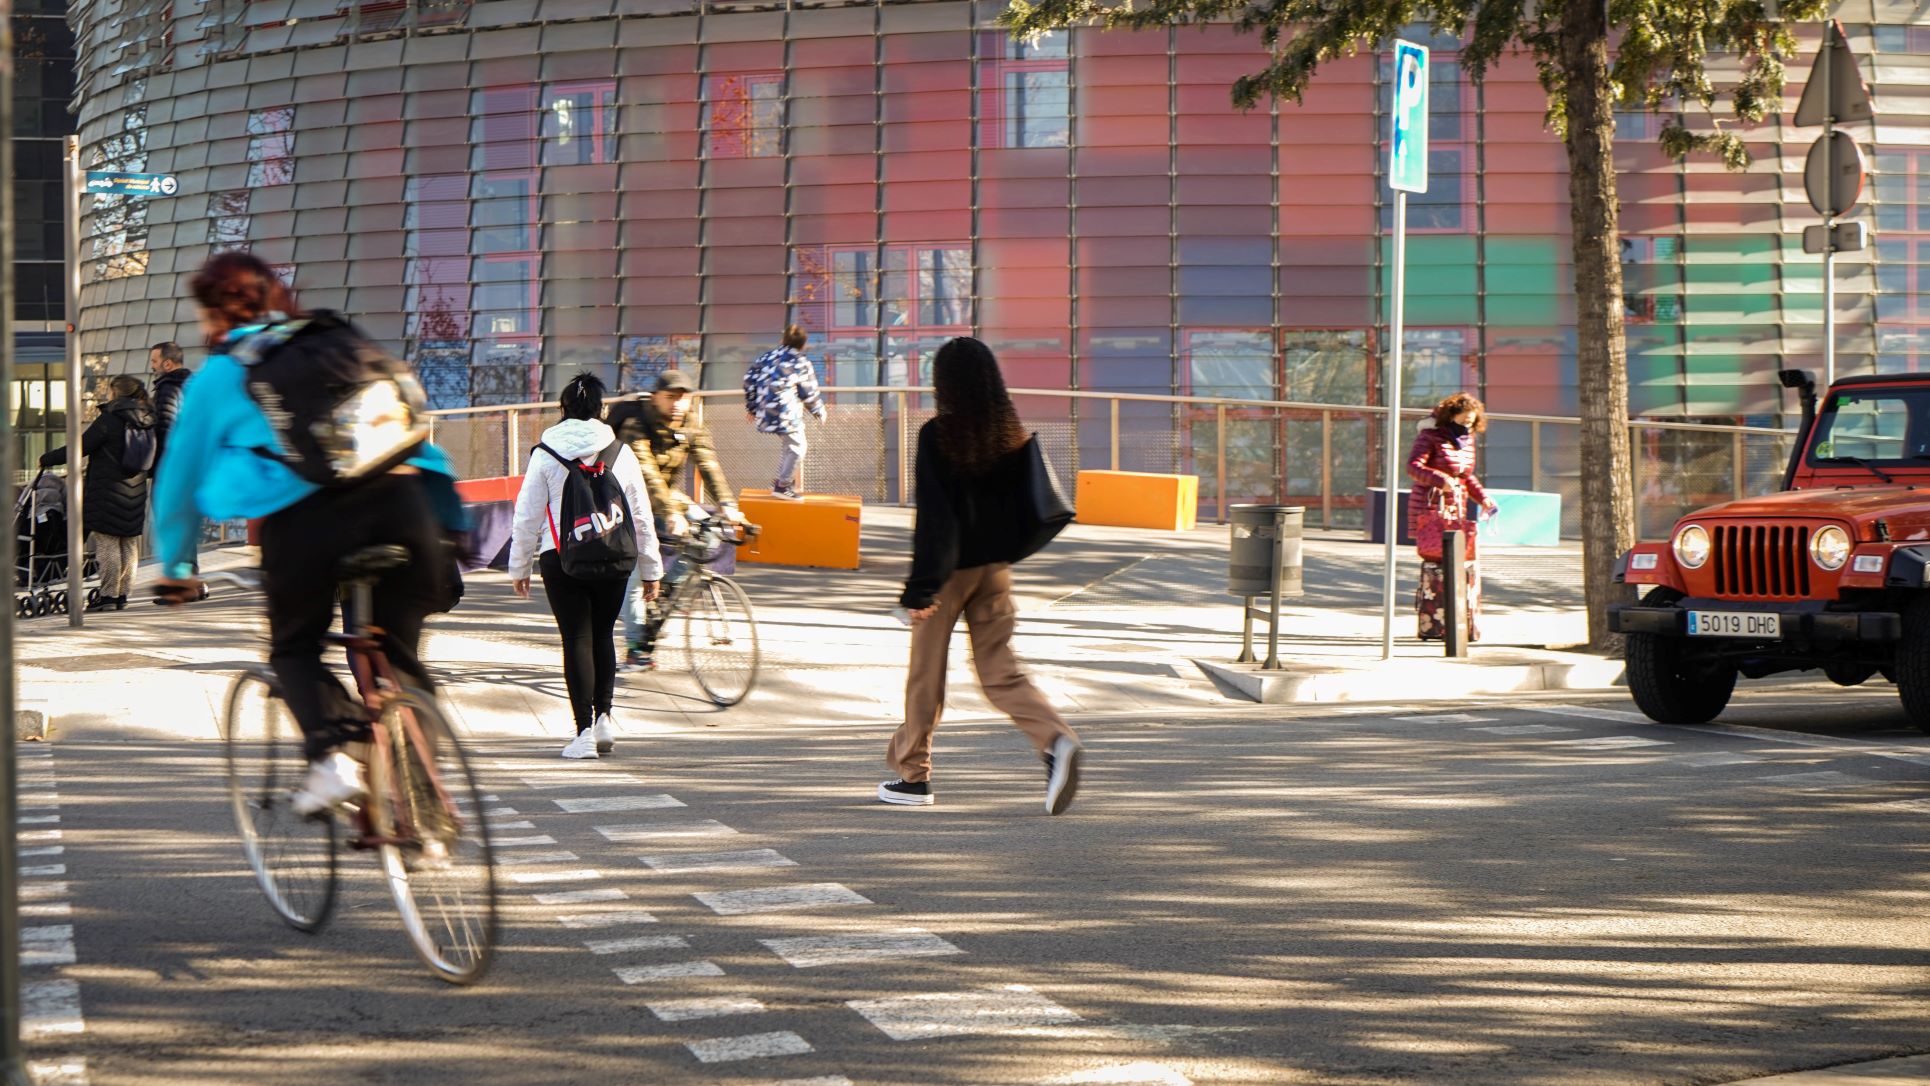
[
  {"x": 972, "y": 464},
  {"x": 778, "y": 389}
]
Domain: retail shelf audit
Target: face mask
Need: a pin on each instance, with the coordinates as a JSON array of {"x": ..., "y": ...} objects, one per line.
[{"x": 1455, "y": 430}]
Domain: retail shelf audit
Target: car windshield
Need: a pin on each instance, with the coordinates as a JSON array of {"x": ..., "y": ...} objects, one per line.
[{"x": 1886, "y": 426}]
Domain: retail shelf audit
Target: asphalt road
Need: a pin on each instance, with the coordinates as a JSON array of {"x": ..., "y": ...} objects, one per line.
[{"x": 1545, "y": 891}]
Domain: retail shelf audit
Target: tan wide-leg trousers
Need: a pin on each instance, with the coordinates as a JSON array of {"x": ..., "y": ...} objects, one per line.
[{"x": 983, "y": 595}]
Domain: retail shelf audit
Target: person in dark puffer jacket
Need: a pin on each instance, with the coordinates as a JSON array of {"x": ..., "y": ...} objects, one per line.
[
  {"x": 113, "y": 499},
  {"x": 166, "y": 362}
]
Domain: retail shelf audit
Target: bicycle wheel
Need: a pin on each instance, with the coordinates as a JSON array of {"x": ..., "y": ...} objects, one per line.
[
  {"x": 720, "y": 636},
  {"x": 429, "y": 802},
  {"x": 293, "y": 857}
]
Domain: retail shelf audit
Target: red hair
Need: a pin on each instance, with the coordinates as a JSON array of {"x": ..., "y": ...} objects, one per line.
[{"x": 241, "y": 289}]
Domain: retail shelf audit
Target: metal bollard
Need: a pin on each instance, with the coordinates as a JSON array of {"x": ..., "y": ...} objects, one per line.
[{"x": 1454, "y": 590}]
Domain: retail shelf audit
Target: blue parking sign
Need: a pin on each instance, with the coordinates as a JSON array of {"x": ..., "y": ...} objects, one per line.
[{"x": 1407, "y": 150}]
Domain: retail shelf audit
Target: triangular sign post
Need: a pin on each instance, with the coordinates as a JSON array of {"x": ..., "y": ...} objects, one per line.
[{"x": 1835, "y": 91}]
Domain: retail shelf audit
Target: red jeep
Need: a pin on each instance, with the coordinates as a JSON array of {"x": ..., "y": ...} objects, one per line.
[{"x": 1833, "y": 573}]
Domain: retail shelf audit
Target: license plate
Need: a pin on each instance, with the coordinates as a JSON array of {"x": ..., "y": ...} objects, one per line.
[{"x": 1735, "y": 624}]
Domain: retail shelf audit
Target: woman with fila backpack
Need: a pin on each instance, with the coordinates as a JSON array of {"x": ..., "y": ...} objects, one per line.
[{"x": 577, "y": 521}]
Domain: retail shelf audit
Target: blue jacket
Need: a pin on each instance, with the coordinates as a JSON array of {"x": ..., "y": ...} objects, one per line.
[
  {"x": 778, "y": 388},
  {"x": 211, "y": 467}
]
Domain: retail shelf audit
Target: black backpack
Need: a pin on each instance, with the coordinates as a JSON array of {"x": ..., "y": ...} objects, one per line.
[
  {"x": 600, "y": 543},
  {"x": 138, "y": 449},
  {"x": 343, "y": 410}
]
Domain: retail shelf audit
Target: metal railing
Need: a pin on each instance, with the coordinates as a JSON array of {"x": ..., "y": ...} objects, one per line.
[{"x": 1323, "y": 456}]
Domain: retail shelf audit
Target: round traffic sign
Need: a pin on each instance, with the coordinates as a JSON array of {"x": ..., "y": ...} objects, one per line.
[
  {"x": 1833, "y": 174},
  {"x": 170, "y": 185}
]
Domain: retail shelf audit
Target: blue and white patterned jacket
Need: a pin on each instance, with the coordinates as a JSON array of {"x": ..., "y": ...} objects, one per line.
[{"x": 778, "y": 388}]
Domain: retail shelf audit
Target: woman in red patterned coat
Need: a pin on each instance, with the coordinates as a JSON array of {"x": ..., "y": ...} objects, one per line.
[{"x": 1441, "y": 464}]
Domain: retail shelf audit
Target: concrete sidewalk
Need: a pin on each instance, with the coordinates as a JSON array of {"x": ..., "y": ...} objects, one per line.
[{"x": 1113, "y": 621}]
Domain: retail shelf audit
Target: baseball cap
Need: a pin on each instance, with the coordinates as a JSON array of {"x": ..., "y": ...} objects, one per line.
[{"x": 675, "y": 381}]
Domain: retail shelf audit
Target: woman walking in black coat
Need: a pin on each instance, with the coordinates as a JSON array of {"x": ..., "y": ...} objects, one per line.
[{"x": 119, "y": 448}]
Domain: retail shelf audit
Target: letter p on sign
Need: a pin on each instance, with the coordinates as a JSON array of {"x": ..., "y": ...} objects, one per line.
[{"x": 1407, "y": 147}]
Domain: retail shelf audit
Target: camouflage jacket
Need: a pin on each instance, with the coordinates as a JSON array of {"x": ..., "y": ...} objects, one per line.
[{"x": 663, "y": 450}]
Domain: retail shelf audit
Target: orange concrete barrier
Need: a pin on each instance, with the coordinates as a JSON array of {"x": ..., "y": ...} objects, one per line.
[
  {"x": 1138, "y": 499},
  {"x": 821, "y": 530}
]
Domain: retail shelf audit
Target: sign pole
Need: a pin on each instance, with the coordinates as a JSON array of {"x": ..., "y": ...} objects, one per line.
[
  {"x": 1406, "y": 172},
  {"x": 76, "y": 555},
  {"x": 1829, "y": 227},
  {"x": 1394, "y": 450},
  {"x": 13, "y": 1066}
]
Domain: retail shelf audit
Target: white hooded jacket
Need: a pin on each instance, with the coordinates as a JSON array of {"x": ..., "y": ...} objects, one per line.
[{"x": 541, "y": 500}]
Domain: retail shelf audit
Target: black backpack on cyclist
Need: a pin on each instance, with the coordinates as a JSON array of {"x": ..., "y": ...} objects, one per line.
[
  {"x": 596, "y": 542},
  {"x": 343, "y": 410}
]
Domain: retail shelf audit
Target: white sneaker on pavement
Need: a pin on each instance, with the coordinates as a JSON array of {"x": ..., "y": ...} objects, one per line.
[
  {"x": 605, "y": 732},
  {"x": 583, "y": 746},
  {"x": 332, "y": 781}
]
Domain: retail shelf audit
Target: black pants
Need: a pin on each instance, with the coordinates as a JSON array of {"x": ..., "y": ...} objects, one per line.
[
  {"x": 300, "y": 547},
  {"x": 586, "y": 617}
]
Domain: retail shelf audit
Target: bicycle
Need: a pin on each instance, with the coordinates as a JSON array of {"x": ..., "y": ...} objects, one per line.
[
  {"x": 720, "y": 630},
  {"x": 423, "y": 812}
]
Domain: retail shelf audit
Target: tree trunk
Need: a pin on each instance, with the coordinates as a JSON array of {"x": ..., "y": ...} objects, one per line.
[{"x": 1608, "y": 506}]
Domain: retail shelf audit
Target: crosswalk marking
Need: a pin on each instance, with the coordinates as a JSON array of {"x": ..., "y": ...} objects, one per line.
[
  {"x": 1137, "y": 1074},
  {"x": 523, "y": 842},
  {"x": 57, "y": 1072},
  {"x": 567, "y": 779},
  {"x": 1609, "y": 742},
  {"x": 706, "y": 861},
  {"x": 49, "y": 945},
  {"x": 1712, "y": 759},
  {"x": 613, "y": 919},
  {"x": 653, "y": 831},
  {"x": 1827, "y": 778},
  {"x": 951, "y": 1014},
  {"x": 1527, "y": 729},
  {"x": 781, "y": 899},
  {"x": 750, "y": 1047},
  {"x": 686, "y": 1010},
  {"x": 512, "y": 859},
  {"x": 636, "y": 942},
  {"x": 43, "y": 871},
  {"x": 806, "y": 952},
  {"x": 644, "y": 974},
  {"x": 1442, "y": 718},
  {"x": 49, "y": 1007},
  {"x": 581, "y": 897},
  {"x": 596, "y": 804},
  {"x": 578, "y": 874}
]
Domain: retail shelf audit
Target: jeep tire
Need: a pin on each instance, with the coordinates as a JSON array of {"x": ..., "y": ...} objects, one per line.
[
  {"x": 1913, "y": 663},
  {"x": 1670, "y": 688}
]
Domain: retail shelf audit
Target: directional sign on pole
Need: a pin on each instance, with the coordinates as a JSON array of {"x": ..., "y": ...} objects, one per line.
[
  {"x": 1407, "y": 150},
  {"x": 1839, "y": 95},
  {"x": 117, "y": 183}
]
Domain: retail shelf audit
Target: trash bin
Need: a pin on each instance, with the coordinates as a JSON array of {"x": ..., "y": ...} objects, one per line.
[{"x": 1265, "y": 538}]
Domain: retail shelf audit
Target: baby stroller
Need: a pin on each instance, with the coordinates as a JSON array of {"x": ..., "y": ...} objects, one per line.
[{"x": 40, "y": 531}]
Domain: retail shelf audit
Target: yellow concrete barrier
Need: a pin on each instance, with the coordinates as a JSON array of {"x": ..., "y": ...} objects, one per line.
[
  {"x": 821, "y": 530},
  {"x": 1138, "y": 499}
]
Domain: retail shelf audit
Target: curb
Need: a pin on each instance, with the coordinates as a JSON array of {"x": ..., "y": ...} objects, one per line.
[
  {"x": 1403, "y": 679},
  {"x": 32, "y": 722}
]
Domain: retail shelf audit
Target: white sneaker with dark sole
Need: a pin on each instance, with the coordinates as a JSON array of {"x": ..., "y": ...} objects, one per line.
[
  {"x": 1061, "y": 775},
  {"x": 605, "y": 731},
  {"x": 331, "y": 782},
  {"x": 583, "y": 746}
]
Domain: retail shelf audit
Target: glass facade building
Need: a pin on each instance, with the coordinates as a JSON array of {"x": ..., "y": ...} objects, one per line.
[
  {"x": 510, "y": 190},
  {"x": 43, "y": 89}
]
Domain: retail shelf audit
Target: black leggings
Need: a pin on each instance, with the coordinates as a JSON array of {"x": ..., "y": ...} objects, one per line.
[
  {"x": 299, "y": 548},
  {"x": 586, "y": 617}
]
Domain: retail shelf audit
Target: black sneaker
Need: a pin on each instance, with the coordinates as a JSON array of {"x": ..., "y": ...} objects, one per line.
[
  {"x": 1061, "y": 775},
  {"x": 907, "y": 793}
]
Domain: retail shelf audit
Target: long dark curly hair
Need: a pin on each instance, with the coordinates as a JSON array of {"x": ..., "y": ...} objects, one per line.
[{"x": 976, "y": 423}]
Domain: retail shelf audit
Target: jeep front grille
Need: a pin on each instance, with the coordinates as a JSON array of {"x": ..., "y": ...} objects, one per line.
[{"x": 1762, "y": 560}]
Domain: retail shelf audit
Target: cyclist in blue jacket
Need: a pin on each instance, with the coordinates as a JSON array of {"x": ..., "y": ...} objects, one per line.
[{"x": 224, "y": 461}]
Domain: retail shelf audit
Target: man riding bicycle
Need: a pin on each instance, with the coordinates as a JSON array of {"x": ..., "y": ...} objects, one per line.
[
  {"x": 300, "y": 422},
  {"x": 664, "y": 436}
]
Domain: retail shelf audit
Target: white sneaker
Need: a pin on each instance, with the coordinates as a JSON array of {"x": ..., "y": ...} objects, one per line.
[
  {"x": 331, "y": 782},
  {"x": 583, "y": 746},
  {"x": 605, "y": 731}
]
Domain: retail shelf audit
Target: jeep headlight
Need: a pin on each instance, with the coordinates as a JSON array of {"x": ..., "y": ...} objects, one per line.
[
  {"x": 1830, "y": 547},
  {"x": 1692, "y": 546}
]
